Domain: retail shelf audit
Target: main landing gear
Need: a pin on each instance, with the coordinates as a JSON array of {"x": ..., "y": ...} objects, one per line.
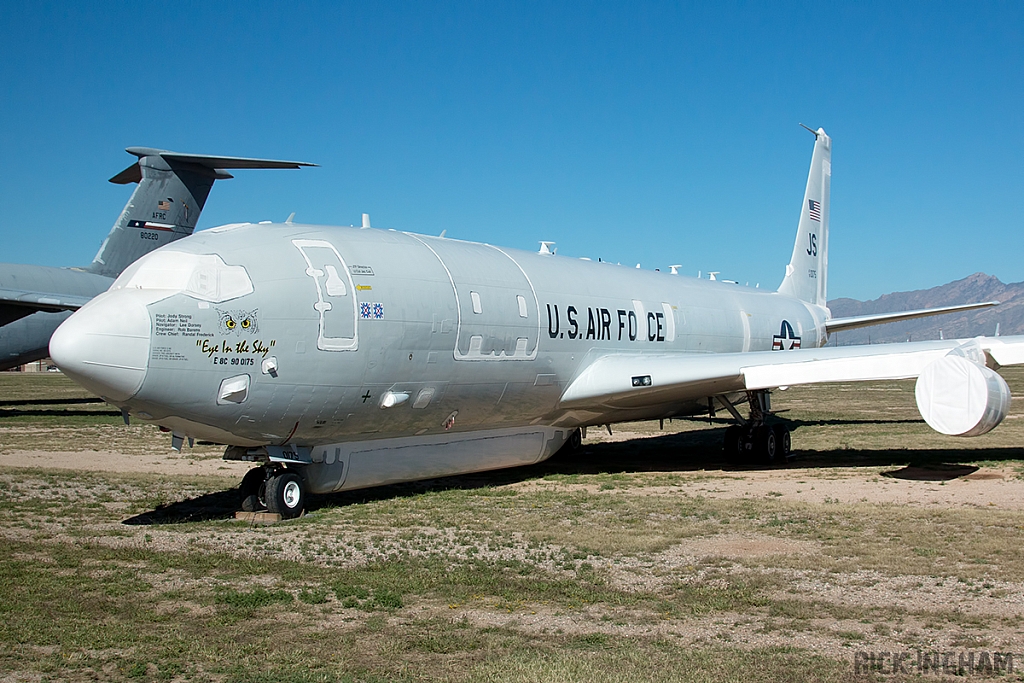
[
  {"x": 752, "y": 440},
  {"x": 574, "y": 441},
  {"x": 275, "y": 489}
]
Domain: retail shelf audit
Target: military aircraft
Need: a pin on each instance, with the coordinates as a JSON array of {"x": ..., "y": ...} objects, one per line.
[
  {"x": 348, "y": 357},
  {"x": 165, "y": 207}
]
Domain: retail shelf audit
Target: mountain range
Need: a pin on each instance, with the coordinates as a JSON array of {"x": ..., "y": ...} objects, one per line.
[{"x": 1009, "y": 315}]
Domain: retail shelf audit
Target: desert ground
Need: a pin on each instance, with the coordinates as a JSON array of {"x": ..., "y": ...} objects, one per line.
[{"x": 879, "y": 551}]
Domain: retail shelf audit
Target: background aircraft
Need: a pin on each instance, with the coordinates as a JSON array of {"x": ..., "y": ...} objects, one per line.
[
  {"x": 343, "y": 358},
  {"x": 172, "y": 190}
]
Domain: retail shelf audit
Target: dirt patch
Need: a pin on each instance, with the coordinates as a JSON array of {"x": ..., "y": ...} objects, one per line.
[
  {"x": 908, "y": 611},
  {"x": 742, "y": 547},
  {"x": 170, "y": 463},
  {"x": 997, "y": 487}
]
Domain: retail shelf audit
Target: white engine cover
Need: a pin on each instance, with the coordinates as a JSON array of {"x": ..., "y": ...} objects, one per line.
[{"x": 961, "y": 398}]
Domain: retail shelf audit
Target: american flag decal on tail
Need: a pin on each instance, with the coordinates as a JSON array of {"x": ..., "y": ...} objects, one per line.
[{"x": 814, "y": 210}]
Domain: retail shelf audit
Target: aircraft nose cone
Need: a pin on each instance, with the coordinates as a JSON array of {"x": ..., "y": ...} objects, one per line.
[{"x": 104, "y": 346}]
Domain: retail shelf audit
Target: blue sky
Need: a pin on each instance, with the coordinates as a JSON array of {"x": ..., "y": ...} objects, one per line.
[{"x": 636, "y": 132}]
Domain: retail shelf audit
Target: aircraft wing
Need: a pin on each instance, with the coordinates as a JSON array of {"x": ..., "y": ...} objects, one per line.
[
  {"x": 840, "y": 324},
  {"x": 26, "y": 289},
  {"x": 42, "y": 301},
  {"x": 638, "y": 380}
]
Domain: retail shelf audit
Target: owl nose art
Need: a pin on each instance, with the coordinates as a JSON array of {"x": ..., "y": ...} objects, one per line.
[{"x": 238, "y": 321}]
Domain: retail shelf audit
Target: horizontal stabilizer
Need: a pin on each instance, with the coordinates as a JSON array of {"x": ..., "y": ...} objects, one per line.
[
  {"x": 133, "y": 173},
  {"x": 840, "y": 324}
]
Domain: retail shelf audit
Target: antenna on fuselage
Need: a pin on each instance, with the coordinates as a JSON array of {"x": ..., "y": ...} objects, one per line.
[
  {"x": 366, "y": 220},
  {"x": 545, "y": 248},
  {"x": 674, "y": 270}
]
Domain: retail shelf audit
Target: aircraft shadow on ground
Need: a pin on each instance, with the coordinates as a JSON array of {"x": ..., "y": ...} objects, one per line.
[
  {"x": 51, "y": 402},
  {"x": 209, "y": 506},
  {"x": 15, "y": 408},
  {"x": 4, "y": 413},
  {"x": 680, "y": 452}
]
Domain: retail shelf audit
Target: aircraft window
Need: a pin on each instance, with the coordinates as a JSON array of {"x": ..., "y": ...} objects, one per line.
[
  {"x": 335, "y": 285},
  {"x": 522, "y": 306},
  {"x": 233, "y": 390},
  {"x": 202, "y": 276},
  {"x": 476, "y": 302}
]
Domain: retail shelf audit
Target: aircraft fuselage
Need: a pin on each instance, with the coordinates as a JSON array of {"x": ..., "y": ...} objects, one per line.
[{"x": 361, "y": 334}]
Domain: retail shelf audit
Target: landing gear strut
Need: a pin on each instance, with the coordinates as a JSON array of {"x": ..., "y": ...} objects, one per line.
[
  {"x": 274, "y": 489},
  {"x": 752, "y": 439}
]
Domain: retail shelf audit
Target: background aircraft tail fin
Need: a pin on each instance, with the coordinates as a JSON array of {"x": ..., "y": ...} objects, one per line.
[
  {"x": 807, "y": 272},
  {"x": 172, "y": 191}
]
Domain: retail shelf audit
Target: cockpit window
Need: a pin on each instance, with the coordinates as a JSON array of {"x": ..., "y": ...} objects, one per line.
[{"x": 201, "y": 276}]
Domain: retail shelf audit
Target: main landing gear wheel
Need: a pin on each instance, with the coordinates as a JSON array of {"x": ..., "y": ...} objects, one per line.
[
  {"x": 732, "y": 445},
  {"x": 783, "y": 441},
  {"x": 765, "y": 444},
  {"x": 285, "y": 494},
  {"x": 751, "y": 439},
  {"x": 575, "y": 440},
  {"x": 253, "y": 489}
]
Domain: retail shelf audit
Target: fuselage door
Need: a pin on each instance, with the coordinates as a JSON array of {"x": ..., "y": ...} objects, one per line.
[
  {"x": 497, "y": 305},
  {"x": 335, "y": 297}
]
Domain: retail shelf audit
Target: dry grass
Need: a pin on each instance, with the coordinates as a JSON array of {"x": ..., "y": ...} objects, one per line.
[{"x": 642, "y": 559}]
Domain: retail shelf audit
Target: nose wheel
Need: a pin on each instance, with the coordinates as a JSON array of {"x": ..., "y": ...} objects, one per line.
[
  {"x": 253, "y": 490},
  {"x": 276, "y": 490},
  {"x": 285, "y": 494}
]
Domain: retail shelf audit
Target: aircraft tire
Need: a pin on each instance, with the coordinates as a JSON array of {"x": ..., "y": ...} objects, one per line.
[
  {"x": 252, "y": 489},
  {"x": 285, "y": 495},
  {"x": 575, "y": 440},
  {"x": 732, "y": 443},
  {"x": 783, "y": 440},
  {"x": 766, "y": 446}
]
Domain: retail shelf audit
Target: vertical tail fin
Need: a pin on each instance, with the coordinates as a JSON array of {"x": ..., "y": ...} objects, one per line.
[
  {"x": 807, "y": 272},
  {"x": 165, "y": 206}
]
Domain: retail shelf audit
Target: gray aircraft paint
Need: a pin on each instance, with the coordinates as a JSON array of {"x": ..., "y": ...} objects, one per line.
[
  {"x": 172, "y": 190},
  {"x": 416, "y": 336},
  {"x": 360, "y": 356}
]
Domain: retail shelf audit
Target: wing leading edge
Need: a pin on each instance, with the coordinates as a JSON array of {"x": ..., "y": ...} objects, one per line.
[{"x": 637, "y": 380}]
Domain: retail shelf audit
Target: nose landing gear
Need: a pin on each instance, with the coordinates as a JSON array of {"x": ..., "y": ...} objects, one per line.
[
  {"x": 274, "y": 489},
  {"x": 285, "y": 494}
]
